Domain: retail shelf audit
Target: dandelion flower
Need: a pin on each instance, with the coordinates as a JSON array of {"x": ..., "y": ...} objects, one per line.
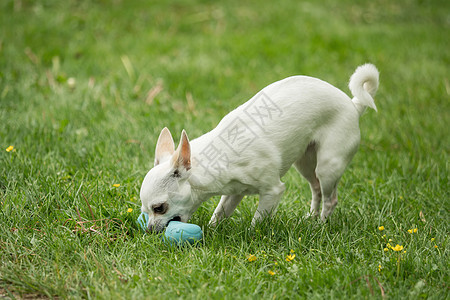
[
  {"x": 381, "y": 228},
  {"x": 129, "y": 210},
  {"x": 397, "y": 247},
  {"x": 290, "y": 257},
  {"x": 116, "y": 184},
  {"x": 9, "y": 149},
  {"x": 251, "y": 258},
  {"x": 271, "y": 272}
]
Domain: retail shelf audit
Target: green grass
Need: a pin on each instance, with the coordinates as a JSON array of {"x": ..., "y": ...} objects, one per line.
[{"x": 65, "y": 230}]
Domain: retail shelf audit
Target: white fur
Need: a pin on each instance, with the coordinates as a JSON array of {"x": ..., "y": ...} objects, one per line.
[{"x": 300, "y": 121}]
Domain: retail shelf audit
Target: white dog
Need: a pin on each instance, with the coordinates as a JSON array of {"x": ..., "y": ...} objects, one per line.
[{"x": 300, "y": 121}]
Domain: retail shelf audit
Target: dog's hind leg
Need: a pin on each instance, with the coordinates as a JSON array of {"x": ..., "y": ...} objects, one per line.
[
  {"x": 332, "y": 160},
  {"x": 328, "y": 186},
  {"x": 306, "y": 165},
  {"x": 225, "y": 208}
]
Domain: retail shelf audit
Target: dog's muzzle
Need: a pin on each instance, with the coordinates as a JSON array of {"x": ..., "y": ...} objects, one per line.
[{"x": 158, "y": 227}]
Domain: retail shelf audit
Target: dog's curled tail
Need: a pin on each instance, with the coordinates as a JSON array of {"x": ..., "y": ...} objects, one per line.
[{"x": 363, "y": 85}]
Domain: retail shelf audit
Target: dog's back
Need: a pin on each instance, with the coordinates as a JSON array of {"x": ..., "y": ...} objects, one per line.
[{"x": 287, "y": 116}]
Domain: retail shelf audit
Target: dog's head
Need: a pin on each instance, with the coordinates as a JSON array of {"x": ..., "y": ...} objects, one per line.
[{"x": 166, "y": 192}]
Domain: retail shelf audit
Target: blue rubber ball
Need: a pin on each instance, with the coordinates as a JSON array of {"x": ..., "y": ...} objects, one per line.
[
  {"x": 176, "y": 233},
  {"x": 179, "y": 233},
  {"x": 143, "y": 221}
]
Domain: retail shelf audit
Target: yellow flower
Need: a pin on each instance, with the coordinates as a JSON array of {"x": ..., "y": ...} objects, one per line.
[
  {"x": 432, "y": 239},
  {"x": 9, "y": 149},
  {"x": 390, "y": 240},
  {"x": 386, "y": 249},
  {"x": 290, "y": 257},
  {"x": 435, "y": 246},
  {"x": 299, "y": 239},
  {"x": 379, "y": 268},
  {"x": 397, "y": 248},
  {"x": 292, "y": 251},
  {"x": 381, "y": 228},
  {"x": 129, "y": 210},
  {"x": 251, "y": 258},
  {"x": 410, "y": 230},
  {"x": 415, "y": 230},
  {"x": 116, "y": 184},
  {"x": 384, "y": 236},
  {"x": 271, "y": 272}
]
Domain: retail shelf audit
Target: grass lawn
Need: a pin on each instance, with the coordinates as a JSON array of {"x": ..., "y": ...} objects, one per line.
[{"x": 86, "y": 87}]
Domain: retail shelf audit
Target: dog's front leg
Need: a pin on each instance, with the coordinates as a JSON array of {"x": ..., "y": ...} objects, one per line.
[
  {"x": 225, "y": 208},
  {"x": 268, "y": 202}
]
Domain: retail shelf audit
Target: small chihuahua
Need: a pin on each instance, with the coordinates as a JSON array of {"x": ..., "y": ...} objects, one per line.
[{"x": 300, "y": 121}]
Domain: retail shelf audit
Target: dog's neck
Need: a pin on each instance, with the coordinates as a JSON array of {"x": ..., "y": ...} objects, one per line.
[
  {"x": 208, "y": 173},
  {"x": 215, "y": 168}
]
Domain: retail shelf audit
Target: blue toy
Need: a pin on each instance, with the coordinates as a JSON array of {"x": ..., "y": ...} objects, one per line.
[
  {"x": 179, "y": 233},
  {"x": 176, "y": 233},
  {"x": 143, "y": 221}
]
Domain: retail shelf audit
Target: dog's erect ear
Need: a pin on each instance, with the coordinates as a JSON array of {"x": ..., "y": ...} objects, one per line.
[
  {"x": 182, "y": 157},
  {"x": 164, "y": 147}
]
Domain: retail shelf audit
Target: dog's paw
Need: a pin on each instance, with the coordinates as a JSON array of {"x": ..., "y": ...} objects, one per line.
[
  {"x": 311, "y": 215},
  {"x": 213, "y": 222}
]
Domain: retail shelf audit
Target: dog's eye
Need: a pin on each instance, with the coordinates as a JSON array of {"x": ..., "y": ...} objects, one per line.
[{"x": 160, "y": 208}]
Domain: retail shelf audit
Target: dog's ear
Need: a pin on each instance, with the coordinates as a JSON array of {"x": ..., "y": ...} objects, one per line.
[
  {"x": 164, "y": 147},
  {"x": 182, "y": 157}
]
